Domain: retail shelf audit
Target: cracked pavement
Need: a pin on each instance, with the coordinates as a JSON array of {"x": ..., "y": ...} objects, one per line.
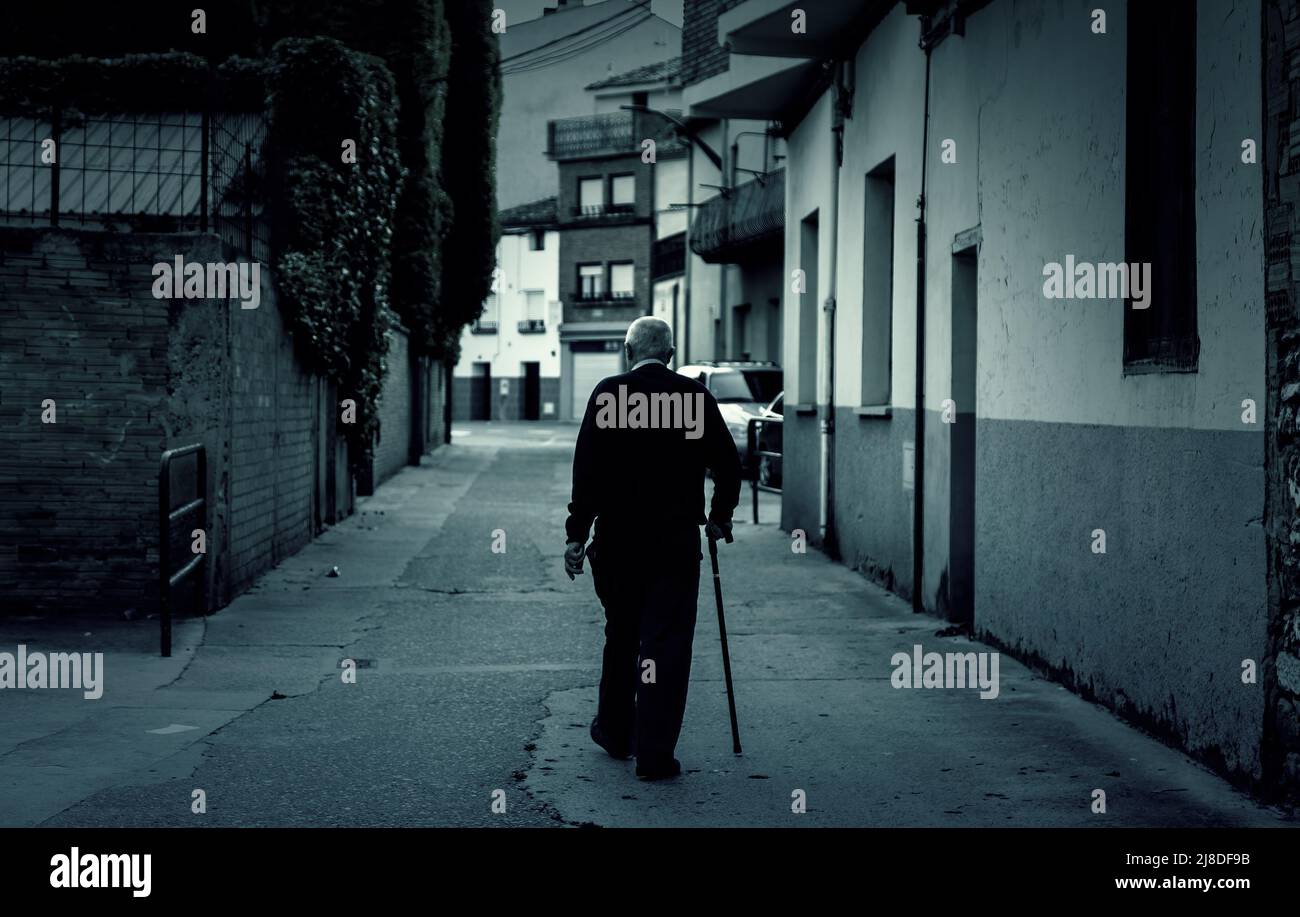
[{"x": 477, "y": 672}]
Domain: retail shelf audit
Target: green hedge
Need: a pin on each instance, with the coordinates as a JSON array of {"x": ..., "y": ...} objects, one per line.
[
  {"x": 332, "y": 220},
  {"x": 172, "y": 81},
  {"x": 469, "y": 171},
  {"x": 413, "y": 38}
]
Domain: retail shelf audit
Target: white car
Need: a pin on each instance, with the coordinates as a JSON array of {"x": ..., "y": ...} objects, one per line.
[{"x": 742, "y": 389}]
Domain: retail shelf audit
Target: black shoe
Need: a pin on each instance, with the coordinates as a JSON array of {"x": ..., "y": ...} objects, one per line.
[
  {"x": 615, "y": 751},
  {"x": 659, "y": 770}
]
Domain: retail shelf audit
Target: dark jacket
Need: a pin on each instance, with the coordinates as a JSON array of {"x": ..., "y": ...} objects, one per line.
[{"x": 639, "y": 479}]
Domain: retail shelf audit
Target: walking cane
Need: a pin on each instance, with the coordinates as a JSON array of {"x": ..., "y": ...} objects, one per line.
[{"x": 722, "y": 632}]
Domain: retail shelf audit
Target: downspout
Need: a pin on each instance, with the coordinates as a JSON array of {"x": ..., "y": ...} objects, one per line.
[
  {"x": 684, "y": 345},
  {"x": 827, "y": 408},
  {"x": 724, "y": 311},
  {"x": 918, "y": 453}
]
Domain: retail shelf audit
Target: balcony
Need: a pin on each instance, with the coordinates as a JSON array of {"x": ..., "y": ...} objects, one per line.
[
  {"x": 602, "y": 298},
  {"x": 532, "y": 326},
  {"x": 482, "y": 327},
  {"x": 589, "y": 136},
  {"x": 602, "y": 211},
  {"x": 729, "y": 226},
  {"x": 668, "y": 257}
]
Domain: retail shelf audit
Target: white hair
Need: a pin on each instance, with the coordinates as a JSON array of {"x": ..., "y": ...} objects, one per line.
[{"x": 649, "y": 338}]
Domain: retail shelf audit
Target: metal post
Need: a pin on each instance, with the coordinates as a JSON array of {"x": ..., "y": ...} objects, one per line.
[
  {"x": 201, "y": 493},
  {"x": 165, "y": 553},
  {"x": 205, "y": 179},
  {"x": 248, "y": 198},
  {"x": 751, "y": 445},
  {"x": 56, "y": 132}
]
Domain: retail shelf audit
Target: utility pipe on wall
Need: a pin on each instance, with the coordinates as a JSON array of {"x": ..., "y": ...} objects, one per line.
[
  {"x": 918, "y": 449},
  {"x": 826, "y": 515}
]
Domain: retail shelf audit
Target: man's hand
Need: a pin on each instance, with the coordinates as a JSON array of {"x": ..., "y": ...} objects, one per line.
[
  {"x": 719, "y": 531},
  {"x": 573, "y": 554}
]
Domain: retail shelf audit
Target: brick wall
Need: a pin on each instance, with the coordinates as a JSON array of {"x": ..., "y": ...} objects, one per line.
[
  {"x": 1281, "y": 170},
  {"x": 702, "y": 56},
  {"x": 605, "y": 244},
  {"x": 78, "y": 497},
  {"x": 273, "y": 441},
  {"x": 393, "y": 451},
  {"x": 131, "y": 376}
]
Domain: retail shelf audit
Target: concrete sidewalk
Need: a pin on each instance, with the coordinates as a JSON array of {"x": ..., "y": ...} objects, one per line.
[
  {"x": 282, "y": 639},
  {"x": 811, "y": 647},
  {"x": 479, "y": 674}
]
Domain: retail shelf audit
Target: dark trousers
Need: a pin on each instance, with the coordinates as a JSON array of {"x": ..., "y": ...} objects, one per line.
[{"x": 649, "y": 583}]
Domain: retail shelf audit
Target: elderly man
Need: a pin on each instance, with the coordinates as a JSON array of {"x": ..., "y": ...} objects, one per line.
[{"x": 638, "y": 472}]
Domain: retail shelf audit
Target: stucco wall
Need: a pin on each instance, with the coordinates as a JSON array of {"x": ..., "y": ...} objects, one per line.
[{"x": 1065, "y": 443}]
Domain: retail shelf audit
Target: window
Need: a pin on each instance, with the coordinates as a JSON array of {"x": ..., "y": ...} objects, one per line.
[
  {"x": 486, "y": 323},
  {"x": 621, "y": 281},
  {"x": 877, "y": 283},
  {"x": 1160, "y": 190},
  {"x": 641, "y": 98},
  {"x": 591, "y": 279},
  {"x": 622, "y": 190},
  {"x": 537, "y": 240},
  {"x": 590, "y": 195},
  {"x": 746, "y": 385},
  {"x": 534, "y": 305}
]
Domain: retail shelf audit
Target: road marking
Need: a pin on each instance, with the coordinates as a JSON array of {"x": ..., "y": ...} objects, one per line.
[{"x": 171, "y": 730}]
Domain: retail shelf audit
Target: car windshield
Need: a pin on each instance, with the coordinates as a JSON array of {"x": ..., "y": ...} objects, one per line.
[{"x": 761, "y": 385}]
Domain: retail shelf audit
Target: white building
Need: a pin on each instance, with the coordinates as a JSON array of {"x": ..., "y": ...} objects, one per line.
[
  {"x": 509, "y": 366},
  {"x": 1075, "y": 479}
]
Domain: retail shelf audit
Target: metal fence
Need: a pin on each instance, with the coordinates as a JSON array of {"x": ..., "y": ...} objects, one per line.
[
  {"x": 765, "y": 470},
  {"x": 156, "y": 172},
  {"x": 175, "y": 528}
]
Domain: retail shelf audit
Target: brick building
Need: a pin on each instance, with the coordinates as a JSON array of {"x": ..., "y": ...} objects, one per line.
[{"x": 608, "y": 206}]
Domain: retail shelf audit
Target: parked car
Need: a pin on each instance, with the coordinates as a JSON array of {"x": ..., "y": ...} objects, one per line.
[
  {"x": 742, "y": 389},
  {"x": 770, "y": 439}
]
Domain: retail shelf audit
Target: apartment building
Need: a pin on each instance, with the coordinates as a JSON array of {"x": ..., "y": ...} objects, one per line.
[{"x": 1074, "y": 471}]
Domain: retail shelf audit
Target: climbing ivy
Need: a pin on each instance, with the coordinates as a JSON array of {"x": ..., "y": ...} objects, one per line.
[
  {"x": 469, "y": 172},
  {"x": 332, "y": 220},
  {"x": 172, "y": 81}
]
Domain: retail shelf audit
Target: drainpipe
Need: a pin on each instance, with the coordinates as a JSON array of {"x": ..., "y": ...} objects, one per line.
[
  {"x": 724, "y": 310},
  {"x": 827, "y": 515},
  {"x": 684, "y": 345},
  {"x": 918, "y": 453}
]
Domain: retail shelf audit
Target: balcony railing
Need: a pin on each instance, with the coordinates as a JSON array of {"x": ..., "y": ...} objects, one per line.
[
  {"x": 532, "y": 326},
  {"x": 729, "y": 224},
  {"x": 595, "y": 211},
  {"x": 668, "y": 257},
  {"x": 591, "y": 135},
  {"x": 615, "y": 297},
  {"x": 482, "y": 327},
  {"x": 607, "y": 134}
]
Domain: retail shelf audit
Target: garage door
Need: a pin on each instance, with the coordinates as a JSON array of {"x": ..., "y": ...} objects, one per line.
[{"x": 588, "y": 370}]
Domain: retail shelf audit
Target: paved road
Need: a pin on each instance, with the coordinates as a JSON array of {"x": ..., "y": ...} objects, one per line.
[{"x": 477, "y": 672}]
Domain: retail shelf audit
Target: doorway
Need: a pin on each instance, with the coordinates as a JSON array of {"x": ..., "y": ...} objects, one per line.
[
  {"x": 480, "y": 392},
  {"x": 532, "y": 391},
  {"x": 961, "y": 505}
]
